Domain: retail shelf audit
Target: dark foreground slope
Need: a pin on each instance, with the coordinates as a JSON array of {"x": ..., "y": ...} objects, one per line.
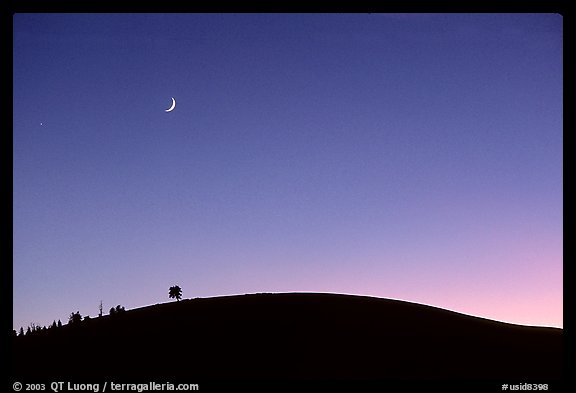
[{"x": 292, "y": 336}]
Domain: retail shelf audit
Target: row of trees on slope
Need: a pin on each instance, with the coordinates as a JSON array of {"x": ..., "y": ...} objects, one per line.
[{"x": 175, "y": 292}]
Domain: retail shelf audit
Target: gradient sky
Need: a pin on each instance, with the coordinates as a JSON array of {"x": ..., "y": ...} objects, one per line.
[{"x": 414, "y": 157}]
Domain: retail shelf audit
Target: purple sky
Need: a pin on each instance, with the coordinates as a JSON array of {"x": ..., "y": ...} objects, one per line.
[{"x": 414, "y": 157}]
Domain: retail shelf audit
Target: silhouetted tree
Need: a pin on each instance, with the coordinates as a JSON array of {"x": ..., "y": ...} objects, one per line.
[
  {"x": 53, "y": 326},
  {"x": 175, "y": 292},
  {"x": 59, "y": 324},
  {"x": 34, "y": 328},
  {"x": 100, "y": 309},
  {"x": 117, "y": 310},
  {"x": 28, "y": 331},
  {"x": 74, "y": 318},
  {"x": 21, "y": 332}
]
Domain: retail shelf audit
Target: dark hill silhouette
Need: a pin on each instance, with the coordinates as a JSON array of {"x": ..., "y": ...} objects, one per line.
[{"x": 293, "y": 335}]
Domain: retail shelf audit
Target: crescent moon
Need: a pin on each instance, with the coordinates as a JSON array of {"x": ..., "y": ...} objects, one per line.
[{"x": 173, "y": 105}]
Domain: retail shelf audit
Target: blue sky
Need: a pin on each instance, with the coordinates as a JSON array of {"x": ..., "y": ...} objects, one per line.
[{"x": 415, "y": 157}]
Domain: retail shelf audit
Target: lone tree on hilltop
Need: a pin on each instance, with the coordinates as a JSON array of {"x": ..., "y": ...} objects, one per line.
[{"x": 175, "y": 292}]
